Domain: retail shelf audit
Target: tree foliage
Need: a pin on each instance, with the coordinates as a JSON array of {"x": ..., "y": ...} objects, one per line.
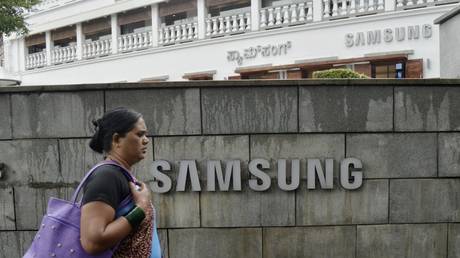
[
  {"x": 12, "y": 15},
  {"x": 338, "y": 73}
]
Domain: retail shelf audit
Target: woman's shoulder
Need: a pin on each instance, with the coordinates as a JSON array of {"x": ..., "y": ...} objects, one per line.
[
  {"x": 108, "y": 184},
  {"x": 110, "y": 171}
]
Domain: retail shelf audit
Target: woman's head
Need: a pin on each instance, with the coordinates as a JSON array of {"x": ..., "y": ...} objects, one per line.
[{"x": 122, "y": 132}]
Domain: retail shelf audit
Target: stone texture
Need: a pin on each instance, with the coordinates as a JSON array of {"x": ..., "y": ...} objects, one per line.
[
  {"x": 63, "y": 114},
  {"x": 427, "y": 108},
  {"x": 165, "y": 111},
  {"x": 31, "y": 204},
  {"x": 309, "y": 242},
  {"x": 248, "y": 208},
  {"x": 249, "y": 110},
  {"x": 449, "y": 154},
  {"x": 394, "y": 155},
  {"x": 5, "y": 117},
  {"x": 177, "y": 209},
  {"x": 345, "y": 109},
  {"x": 163, "y": 236},
  {"x": 15, "y": 244},
  {"x": 202, "y": 149},
  {"x": 77, "y": 158},
  {"x": 424, "y": 200},
  {"x": 454, "y": 241},
  {"x": 366, "y": 205},
  {"x": 297, "y": 146},
  {"x": 212, "y": 243},
  {"x": 30, "y": 161},
  {"x": 410, "y": 241},
  {"x": 7, "y": 217}
]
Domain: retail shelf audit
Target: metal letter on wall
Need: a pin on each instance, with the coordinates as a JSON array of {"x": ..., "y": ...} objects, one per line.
[
  {"x": 188, "y": 167},
  {"x": 232, "y": 171},
  {"x": 160, "y": 178},
  {"x": 295, "y": 175},
  {"x": 346, "y": 173},
  {"x": 315, "y": 169},
  {"x": 254, "y": 170}
]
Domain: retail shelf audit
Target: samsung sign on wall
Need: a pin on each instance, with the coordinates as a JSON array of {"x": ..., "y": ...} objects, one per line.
[
  {"x": 226, "y": 175},
  {"x": 388, "y": 35}
]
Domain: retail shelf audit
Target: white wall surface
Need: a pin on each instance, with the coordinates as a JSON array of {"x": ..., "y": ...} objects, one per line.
[{"x": 450, "y": 48}]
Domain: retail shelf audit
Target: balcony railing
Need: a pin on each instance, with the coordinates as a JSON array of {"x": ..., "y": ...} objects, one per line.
[
  {"x": 97, "y": 48},
  {"x": 36, "y": 60},
  {"x": 49, "y": 4},
  {"x": 178, "y": 33},
  {"x": 229, "y": 24},
  {"x": 135, "y": 41},
  {"x": 286, "y": 15},
  {"x": 345, "y": 8},
  {"x": 409, "y": 4},
  {"x": 63, "y": 54}
]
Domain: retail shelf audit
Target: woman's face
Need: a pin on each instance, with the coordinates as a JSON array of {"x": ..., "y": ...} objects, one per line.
[{"x": 133, "y": 146}]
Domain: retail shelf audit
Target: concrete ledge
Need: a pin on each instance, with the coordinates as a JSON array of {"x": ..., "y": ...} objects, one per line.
[{"x": 235, "y": 83}]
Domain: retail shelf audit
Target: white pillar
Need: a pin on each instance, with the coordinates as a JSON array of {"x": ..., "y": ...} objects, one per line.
[
  {"x": 115, "y": 32},
  {"x": 202, "y": 12},
  {"x": 256, "y": 5},
  {"x": 80, "y": 38},
  {"x": 317, "y": 10},
  {"x": 155, "y": 24},
  {"x": 22, "y": 54},
  {"x": 390, "y": 5},
  {"x": 49, "y": 46}
]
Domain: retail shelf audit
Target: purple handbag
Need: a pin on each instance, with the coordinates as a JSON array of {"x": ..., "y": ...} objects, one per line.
[{"x": 59, "y": 232}]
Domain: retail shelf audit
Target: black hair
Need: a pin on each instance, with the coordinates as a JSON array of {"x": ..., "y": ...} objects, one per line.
[{"x": 119, "y": 120}]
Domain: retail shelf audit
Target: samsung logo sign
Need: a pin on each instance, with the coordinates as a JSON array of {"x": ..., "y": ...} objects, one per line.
[
  {"x": 226, "y": 176},
  {"x": 388, "y": 35}
]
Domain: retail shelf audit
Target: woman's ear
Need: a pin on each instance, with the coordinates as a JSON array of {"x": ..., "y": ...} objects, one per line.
[{"x": 116, "y": 140}]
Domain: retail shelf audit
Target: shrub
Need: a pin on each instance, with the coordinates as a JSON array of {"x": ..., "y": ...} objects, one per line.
[{"x": 338, "y": 73}]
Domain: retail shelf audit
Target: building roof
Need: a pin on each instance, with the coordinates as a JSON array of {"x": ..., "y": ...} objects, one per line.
[{"x": 440, "y": 20}]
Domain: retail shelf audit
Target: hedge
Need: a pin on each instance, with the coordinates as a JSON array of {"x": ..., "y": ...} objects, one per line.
[{"x": 338, "y": 73}]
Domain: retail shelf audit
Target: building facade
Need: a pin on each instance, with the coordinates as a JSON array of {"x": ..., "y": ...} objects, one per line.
[
  {"x": 103, "y": 41},
  {"x": 449, "y": 47}
]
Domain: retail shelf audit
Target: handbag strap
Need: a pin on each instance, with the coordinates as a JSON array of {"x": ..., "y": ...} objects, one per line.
[{"x": 91, "y": 171}]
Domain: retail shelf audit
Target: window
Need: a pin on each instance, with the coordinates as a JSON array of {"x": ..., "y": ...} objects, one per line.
[
  {"x": 36, "y": 48},
  {"x": 130, "y": 27},
  {"x": 393, "y": 70}
]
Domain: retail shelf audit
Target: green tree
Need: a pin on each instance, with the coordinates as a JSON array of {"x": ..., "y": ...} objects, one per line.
[{"x": 12, "y": 15}]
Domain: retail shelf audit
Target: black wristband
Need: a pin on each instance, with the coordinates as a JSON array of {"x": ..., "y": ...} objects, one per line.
[{"x": 135, "y": 216}]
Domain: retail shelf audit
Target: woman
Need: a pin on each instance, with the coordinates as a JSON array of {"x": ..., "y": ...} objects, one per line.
[{"x": 121, "y": 135}]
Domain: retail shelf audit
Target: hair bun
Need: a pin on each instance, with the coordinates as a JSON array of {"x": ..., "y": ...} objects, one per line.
[
  {"x": 96, "y": 142},
  {"x": 97, "y": 123}
]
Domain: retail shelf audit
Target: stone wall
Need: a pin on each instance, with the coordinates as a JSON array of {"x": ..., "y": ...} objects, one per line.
[{"x": 407, "y": 134}]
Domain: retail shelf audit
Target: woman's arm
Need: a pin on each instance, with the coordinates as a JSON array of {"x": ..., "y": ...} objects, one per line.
[{"x": 99, "y": 231}]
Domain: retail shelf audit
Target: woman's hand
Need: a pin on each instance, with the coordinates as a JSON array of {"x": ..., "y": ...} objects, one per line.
[{"x": 141, "y": 194}]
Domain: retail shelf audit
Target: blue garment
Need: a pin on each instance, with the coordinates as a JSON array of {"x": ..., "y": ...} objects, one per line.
[{"x": 156, "y": 248}]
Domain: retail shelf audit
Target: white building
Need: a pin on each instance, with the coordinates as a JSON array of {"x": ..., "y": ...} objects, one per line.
[{"x": 98, "y": 41}]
